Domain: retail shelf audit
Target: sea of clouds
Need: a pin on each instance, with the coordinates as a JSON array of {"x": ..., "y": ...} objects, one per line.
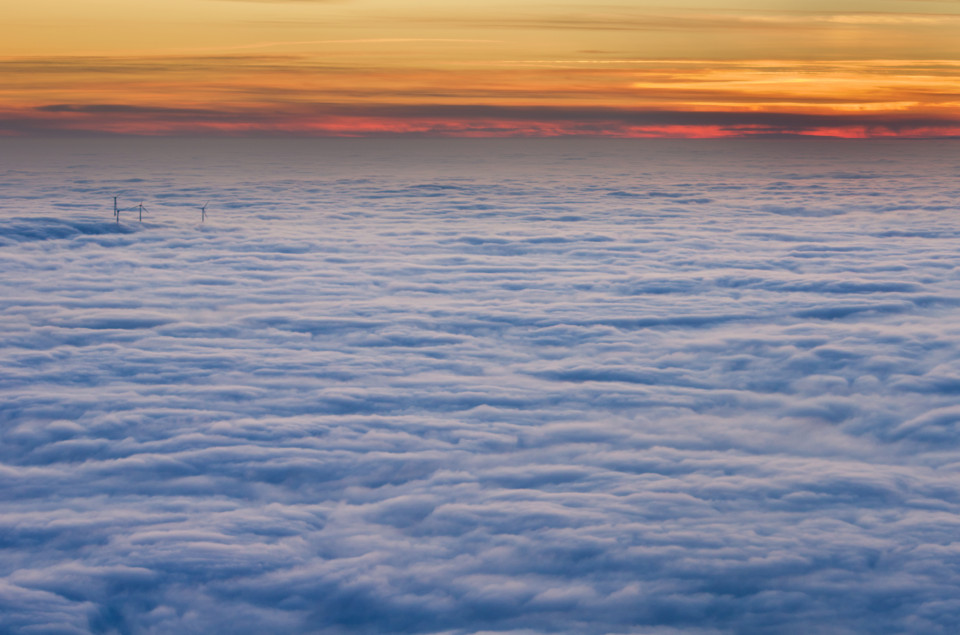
[{"x": 480, "y": 387}]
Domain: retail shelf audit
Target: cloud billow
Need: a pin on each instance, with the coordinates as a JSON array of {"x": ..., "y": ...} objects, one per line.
[{"x": 455, "y": 387}]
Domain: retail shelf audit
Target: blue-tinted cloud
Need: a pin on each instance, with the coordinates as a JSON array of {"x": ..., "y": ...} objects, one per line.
[{"x": 475, "y": 387}]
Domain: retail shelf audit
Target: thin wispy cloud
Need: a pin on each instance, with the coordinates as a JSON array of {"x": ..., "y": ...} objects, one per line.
[
  {"x": 621, "y": 97},
  {"x": 289, "y": 1},
  {"x": 300, "y": 43}
]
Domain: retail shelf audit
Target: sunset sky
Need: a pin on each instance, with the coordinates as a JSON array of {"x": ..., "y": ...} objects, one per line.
[{"x": 686, "y": 68}]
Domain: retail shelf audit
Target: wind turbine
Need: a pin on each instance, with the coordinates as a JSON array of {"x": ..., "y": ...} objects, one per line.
[
  {"x": 142, "y": 209},
  {"x": 203, "y": 211},
  {"x": 116, "y": 210}
]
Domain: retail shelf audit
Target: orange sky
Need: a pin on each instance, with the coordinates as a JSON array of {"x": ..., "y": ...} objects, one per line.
[{"x": 687, "y": 68}]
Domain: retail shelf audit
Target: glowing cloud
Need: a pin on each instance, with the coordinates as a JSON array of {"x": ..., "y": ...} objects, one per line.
[{"x": 384, "y": 67}]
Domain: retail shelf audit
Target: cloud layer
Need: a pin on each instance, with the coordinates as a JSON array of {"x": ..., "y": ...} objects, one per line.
[
  {"x": 464, "y": 387},
  {"x": 582, "y": 94}
]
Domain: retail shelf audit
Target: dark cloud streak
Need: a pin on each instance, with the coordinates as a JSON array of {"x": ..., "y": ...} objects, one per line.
[{"x": 577, "y": 120}]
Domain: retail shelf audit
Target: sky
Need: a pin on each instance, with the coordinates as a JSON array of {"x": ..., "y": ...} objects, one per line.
[{"x": 687, "y": 68}]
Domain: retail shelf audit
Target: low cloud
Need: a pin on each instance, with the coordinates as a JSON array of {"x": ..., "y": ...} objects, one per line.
[{"x": 442, "y": 386}]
